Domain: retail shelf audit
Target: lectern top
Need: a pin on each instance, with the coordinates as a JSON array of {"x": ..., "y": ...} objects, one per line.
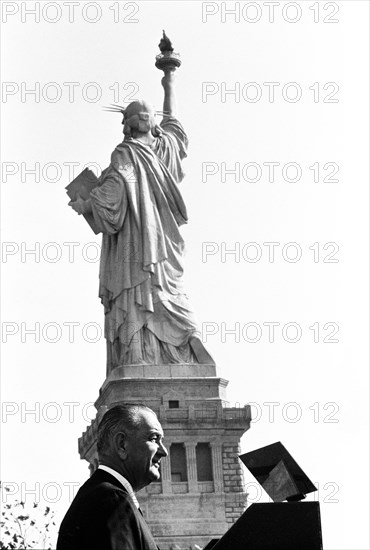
[{"x": 278, "y": 473}]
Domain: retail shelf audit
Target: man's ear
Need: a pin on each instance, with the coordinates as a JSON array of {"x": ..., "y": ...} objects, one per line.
[{"x": 120, "y": 444}]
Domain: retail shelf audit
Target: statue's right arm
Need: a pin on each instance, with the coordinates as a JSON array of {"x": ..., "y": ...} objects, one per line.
[{"x": 169, "y": 103}]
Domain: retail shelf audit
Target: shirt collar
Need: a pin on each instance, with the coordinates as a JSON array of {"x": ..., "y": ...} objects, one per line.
[{"x": 123, "y": 481}]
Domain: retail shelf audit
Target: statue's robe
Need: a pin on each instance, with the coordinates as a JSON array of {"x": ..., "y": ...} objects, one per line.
[{"x": 139, "y": 208}]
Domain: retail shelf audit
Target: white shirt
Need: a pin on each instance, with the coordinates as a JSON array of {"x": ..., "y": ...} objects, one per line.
[{"x": 123, "y": 481}]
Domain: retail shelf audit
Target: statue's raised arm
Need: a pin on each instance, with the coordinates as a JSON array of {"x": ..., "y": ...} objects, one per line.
[{"x": 169, "y": 102}]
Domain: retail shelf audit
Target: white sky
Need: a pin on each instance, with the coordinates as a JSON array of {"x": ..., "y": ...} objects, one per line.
[{"x": 326, "y": 382}]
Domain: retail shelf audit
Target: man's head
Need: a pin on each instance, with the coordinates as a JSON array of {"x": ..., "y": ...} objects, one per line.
[{"x": 130, "y": 440}]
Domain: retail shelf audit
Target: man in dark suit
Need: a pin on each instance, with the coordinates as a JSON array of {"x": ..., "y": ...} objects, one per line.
[{"x": 105, "y": 514}]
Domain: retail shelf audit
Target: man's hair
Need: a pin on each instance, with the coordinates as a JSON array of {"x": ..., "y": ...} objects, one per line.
[{"x": 125, "y": 417}]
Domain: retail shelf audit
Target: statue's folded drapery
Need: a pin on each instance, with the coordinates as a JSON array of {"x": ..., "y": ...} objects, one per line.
[{"x": 139, "y": 208}]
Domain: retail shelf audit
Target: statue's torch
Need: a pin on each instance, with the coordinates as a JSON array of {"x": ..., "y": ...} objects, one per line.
[{"x": 167, "y": 60}]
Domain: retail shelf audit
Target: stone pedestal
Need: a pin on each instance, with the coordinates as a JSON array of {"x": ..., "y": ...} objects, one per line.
[{"x": 190, "y": 402}]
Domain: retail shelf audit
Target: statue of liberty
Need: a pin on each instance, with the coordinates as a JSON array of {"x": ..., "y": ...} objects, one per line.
[{"x": 138, "y": 207}]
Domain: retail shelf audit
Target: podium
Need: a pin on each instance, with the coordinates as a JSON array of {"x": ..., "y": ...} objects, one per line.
[
  {"x": 278, "y": 525},
  {"x": 274, "y": 526}
]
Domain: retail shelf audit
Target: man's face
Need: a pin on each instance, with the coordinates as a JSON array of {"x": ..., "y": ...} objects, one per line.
[{"x": 144, "y": 449}]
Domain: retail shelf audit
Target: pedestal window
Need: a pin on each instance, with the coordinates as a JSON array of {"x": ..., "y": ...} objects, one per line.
[
  {"x": 178, "y": 463},
  {"x": 204, "y": 462}
]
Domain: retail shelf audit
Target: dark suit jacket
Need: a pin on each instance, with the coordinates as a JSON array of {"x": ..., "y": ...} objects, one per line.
[{"x": 102, "y": 516}]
